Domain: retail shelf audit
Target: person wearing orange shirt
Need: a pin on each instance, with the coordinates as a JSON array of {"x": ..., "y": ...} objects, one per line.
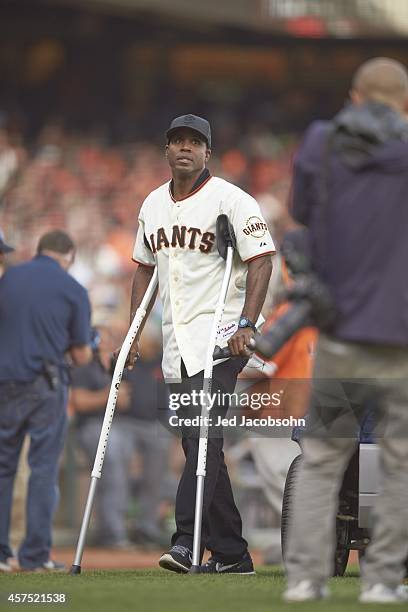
[{"x": 290, "y": 371}]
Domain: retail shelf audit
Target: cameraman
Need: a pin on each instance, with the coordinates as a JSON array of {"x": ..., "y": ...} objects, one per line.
[{"x": 350, "y": 188}]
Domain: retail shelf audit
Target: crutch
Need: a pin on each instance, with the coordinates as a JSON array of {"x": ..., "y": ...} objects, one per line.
[
  {"x": 107, "y": 421},
  {"x": 225, "y": 244}
]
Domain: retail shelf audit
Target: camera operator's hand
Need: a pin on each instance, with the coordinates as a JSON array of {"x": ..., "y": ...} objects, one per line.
[
  {"x": 132, "y": 357},
  {"x": 239, "y": 343}
]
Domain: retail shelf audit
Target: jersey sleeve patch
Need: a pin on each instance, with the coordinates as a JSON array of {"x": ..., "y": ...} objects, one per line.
[{"x": 251, "y": 230}]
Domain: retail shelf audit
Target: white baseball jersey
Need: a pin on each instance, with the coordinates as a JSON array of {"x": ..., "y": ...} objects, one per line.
[{"x": 179, "y": 238}]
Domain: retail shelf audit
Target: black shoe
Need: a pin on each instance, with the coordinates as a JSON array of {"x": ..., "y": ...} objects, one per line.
[
  {"x": 177, "y": 559},
  {"x": 244, "y": 566}
]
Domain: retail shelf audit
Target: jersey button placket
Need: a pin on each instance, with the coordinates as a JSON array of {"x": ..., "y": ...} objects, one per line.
[
  {"x": 175, "y": 263},
  {"x": 174, "y": 283}
]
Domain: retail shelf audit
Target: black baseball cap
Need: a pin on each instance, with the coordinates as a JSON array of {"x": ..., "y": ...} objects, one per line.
[
  {"x": 193, "y": 122},
  {"x": 4, "y": 248}
]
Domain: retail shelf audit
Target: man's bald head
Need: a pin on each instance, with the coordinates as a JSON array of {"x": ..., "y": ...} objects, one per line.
[{"x": 383, "y": 80}]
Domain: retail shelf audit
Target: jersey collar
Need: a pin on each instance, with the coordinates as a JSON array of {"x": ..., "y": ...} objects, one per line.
[{"x": 200, "y": 182}]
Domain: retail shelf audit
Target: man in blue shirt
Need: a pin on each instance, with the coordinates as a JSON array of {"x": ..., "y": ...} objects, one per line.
[
  {"x": 44, "y": 314},
  {"x": 350, "y": 189}
]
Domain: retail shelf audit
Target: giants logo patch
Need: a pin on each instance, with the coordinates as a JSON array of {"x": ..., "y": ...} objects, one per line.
[{"x": 255, "y": 227}]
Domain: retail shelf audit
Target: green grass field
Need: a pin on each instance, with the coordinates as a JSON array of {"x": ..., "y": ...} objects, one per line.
[{"x": 160, "y": 591}]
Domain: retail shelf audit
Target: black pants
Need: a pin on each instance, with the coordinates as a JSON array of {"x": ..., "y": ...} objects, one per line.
[{"x": 222, "y": 525}]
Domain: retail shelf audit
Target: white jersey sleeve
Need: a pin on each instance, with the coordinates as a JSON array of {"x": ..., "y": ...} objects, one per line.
[
  {"x": 251, "y": 231},
  {"x": 142, "y": 252}
]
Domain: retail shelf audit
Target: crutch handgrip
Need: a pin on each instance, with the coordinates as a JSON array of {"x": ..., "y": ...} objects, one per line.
[
  {"x": 225, "y": 353},
  {"x": 221, "y": 353}
]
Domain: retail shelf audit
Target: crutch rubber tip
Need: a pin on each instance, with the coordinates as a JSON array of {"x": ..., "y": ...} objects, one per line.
[
  {"x": 75, "y": 569},
  {"x": 194, "y": 569}
]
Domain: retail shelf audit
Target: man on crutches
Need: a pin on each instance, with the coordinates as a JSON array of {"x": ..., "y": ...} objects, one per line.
[{"x": 176, "y": 237}]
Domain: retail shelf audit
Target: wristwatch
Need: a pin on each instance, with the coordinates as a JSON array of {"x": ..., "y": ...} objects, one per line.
[{"x": 244, "y": 322}]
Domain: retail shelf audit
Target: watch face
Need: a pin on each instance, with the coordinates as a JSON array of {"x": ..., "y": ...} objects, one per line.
[{"x": 243, "y": 322}]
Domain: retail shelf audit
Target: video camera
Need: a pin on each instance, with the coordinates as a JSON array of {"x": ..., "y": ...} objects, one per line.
[{"x": 312, "y": 302}]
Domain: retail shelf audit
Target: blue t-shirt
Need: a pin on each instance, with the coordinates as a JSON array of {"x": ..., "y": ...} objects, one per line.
[{"x": 43, "y": 313}]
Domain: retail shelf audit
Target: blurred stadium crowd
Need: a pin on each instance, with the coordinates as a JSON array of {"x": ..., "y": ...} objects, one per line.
[{"x": 94, "y": 190}]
